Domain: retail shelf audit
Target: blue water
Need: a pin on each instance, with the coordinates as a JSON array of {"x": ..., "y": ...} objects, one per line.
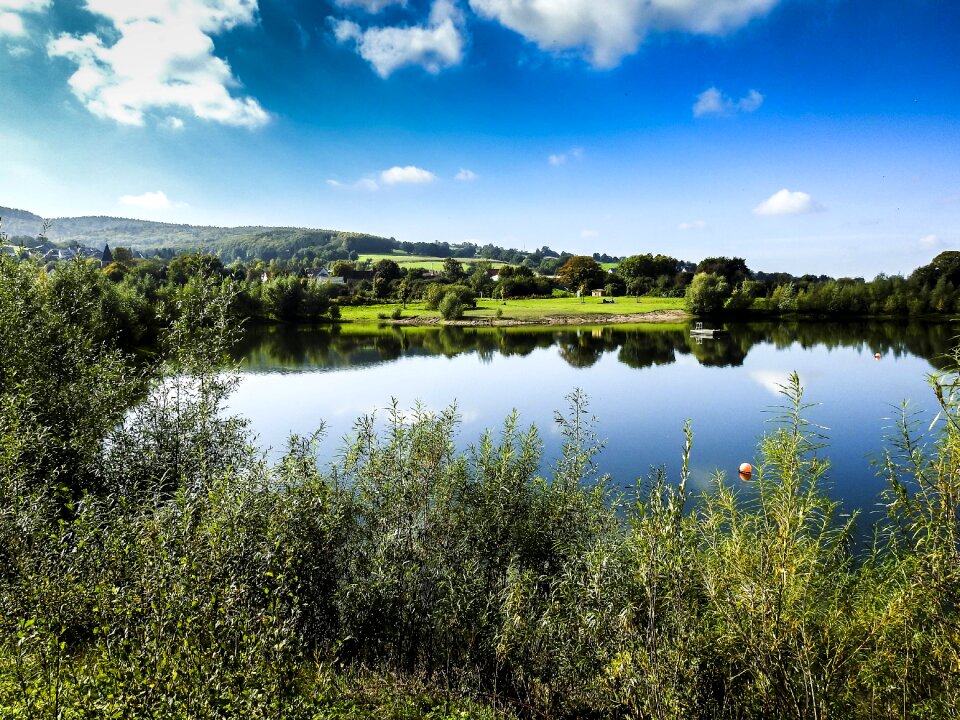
[{"x": 643, "y": 384}]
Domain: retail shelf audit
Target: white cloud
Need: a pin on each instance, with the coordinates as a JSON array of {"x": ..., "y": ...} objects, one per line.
[
  {"x": 588, "y": 234},
  {"x": 561, "y": 158},
  {"x": 172, "y": 122},
  {"x": 785, "y": 202},
  {"x": 162, "y": 59},
  {"x": 148, "y": 201},
  {"x": 409, "y": 175},
  {"x": 928, "y": 242},
  {"x": 606, "y": 31},
  {"x": 367, "y": 184},
  {"x": 11, "y": 15},
  {"x": 709, "y": 102},
  {"x": 370, "y": 6},
  {"x": 750, "y": 102},
  {"x": 11, "y": 24},
  {"x": 466, "y": 175},
  {"x": 695, "y": 225},
  {"x": 22, "y": 6},
  {"x": 714, "y": 102},
  {"x": 435, "y": 46}
]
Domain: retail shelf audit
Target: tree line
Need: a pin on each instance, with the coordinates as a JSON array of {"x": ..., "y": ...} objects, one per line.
[{"x": 292, "y": 289}]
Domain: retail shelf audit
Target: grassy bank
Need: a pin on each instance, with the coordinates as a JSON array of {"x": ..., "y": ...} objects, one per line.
[{"x": 522, "y": 311}]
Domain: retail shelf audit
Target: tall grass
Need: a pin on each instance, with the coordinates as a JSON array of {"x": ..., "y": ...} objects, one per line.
[{"x": 187, "y": 577}]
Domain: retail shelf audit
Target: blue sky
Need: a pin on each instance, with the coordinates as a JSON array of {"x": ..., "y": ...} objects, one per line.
[{"x": 804, "y": 135}]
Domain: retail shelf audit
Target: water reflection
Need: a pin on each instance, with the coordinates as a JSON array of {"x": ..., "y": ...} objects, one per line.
[
  {"x": 287, "y": 348},
  {"x": 644, "y": 383}
]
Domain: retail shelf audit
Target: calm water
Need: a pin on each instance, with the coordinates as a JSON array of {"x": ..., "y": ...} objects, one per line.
[{"x": 643, "y": 383}]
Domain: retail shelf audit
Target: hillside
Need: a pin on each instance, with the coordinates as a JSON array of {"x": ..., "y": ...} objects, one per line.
[
  {"x": 228, "y": 242},
  {"x": 244, "y": 243}
]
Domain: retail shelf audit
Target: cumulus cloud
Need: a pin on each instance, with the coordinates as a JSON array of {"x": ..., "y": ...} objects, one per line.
[
  {"x": 435, "y": 46},
  {"x": 695, "y": 225},
  {"x": 785, "y": 202},
  {"x": 11, "y": 24},
  {"x": 161, "y": 59},
  {"x": 12, "y": 12},
  {"x": 157, "y": 200},
  {"x": 929, "y": 242},
  {"x": 605, "y": 32},
  {"x": 370, "y": 6},
  {"x": 408, "y": 175},
  {"x": 561, "y": 158},
  {"x": 466, "y": 175},
  {"x": 714, "y": 102}
]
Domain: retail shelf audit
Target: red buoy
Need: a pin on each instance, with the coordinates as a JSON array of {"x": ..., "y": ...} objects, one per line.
[{"x": 746, "y": 471}]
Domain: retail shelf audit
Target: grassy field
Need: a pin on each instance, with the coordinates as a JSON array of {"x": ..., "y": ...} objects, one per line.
[
  {"x": 523, "y": 310},
  {"x": 424, "y": 262}
]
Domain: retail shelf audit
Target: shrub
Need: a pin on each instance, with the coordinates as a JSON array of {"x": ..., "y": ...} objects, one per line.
[
  {"x": 433, "y": 295},
  {"x": 450, "y": 307}
]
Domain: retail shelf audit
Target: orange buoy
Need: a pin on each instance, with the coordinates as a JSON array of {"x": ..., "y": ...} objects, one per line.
[
  {"x": 746, "y": 471},
  {"x": 877, "y": 356}
]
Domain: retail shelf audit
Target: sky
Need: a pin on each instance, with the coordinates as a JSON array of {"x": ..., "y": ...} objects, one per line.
[{"x": 806, "y": 136}]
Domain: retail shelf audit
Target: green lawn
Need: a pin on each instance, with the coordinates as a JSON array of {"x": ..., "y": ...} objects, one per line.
[{"x": 524, "y": 309}]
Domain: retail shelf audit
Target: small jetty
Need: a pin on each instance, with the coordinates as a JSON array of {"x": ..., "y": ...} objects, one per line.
[{"x": 700, "y": 332}]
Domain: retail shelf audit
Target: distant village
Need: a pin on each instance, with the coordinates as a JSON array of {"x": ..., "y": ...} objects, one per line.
[{"x": 46, "y": 253}]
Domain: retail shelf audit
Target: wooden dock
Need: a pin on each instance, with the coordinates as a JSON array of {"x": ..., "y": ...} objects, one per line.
[{"x": 700, "y": 332}]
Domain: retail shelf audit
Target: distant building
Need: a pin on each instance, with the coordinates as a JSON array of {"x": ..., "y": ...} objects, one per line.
[
  {"x": 107, "y": 256},
  {"x": 597, "y": 293},
  {"x": 325, "y": 278}
]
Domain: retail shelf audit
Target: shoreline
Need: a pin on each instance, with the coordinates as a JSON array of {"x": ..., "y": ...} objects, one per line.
[{"x": 651, "y": 317}]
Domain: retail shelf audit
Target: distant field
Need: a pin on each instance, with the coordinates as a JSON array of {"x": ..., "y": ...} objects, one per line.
[
  {"x": 424, "y": 262},
  {"x": 524, "y": 309},
  {"x": 535, "y": 309}
]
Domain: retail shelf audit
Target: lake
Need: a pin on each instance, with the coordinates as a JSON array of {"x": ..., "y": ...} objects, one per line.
[{"x": 643, "y": 382}]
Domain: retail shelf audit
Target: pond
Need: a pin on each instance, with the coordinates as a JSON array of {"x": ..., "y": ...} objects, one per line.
[{"x": 643, "y": 383}]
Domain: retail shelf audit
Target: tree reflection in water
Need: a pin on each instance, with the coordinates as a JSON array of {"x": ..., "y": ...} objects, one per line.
[{"x": 280, "y": 348}]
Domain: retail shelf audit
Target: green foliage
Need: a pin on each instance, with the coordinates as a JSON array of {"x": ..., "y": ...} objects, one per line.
[
  {"x": 645, "y": 274},
  {"x": 733, "y": 270},
  {"x": 741, "y": 299},
  {"x": 450, "y": 307},
  {"x": 63, "y": 383},
  {"x": 580, "y": 270},
  {"x": 433, "y": 295},
  {"x": 453, "y": 271},
  {"x": 292, "y": 299},
  {"x": 154, "y": 564},
  {"x": 706, "y": 294}
]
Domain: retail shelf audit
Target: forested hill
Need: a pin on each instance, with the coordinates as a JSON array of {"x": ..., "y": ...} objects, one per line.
[
  {"x": 244, "y": 243},
  {"x": 228, "y": 242}
]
